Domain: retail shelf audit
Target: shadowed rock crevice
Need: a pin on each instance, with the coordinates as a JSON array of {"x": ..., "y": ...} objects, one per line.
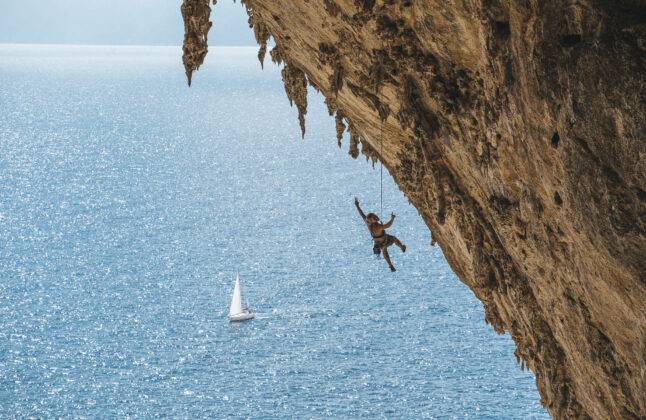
[{"x": 516, "y": 129}]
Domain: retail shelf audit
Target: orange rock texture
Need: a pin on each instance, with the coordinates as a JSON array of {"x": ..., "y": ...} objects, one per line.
[{"x": 517, "y": 129}]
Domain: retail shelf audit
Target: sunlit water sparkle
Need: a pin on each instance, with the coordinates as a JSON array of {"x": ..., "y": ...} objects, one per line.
[{"x": 127, "y": 203}]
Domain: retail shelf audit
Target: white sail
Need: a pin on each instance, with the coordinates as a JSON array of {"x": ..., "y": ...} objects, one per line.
[{"x": 236, "y": 300}]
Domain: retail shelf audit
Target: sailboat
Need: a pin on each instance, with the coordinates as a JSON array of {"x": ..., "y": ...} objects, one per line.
[{"x": 237, "y": 312}]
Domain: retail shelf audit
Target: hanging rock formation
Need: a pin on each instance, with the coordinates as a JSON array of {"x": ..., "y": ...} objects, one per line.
[
  {"x": 196, "y": 29},
  {"x": 517, "y": 130}
]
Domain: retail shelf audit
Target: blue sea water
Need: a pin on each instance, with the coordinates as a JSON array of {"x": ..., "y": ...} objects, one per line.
[{"x": 127, "y": 203}]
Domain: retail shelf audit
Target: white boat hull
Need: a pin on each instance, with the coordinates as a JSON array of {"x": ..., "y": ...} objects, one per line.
[{"x": 243, "y": 316}]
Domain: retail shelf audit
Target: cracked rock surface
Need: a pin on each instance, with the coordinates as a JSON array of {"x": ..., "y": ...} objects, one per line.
[{"x": 517, "y": 129}]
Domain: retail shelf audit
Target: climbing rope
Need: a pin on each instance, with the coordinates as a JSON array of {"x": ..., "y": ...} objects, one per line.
[{"x": 381, "y": 173}]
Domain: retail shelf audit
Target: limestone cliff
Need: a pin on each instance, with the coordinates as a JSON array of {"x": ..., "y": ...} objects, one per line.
[{"x": 517, "y": 129}]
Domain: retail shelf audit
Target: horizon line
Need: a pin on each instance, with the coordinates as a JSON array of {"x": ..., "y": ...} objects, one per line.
[{"x": 115, "y": 45}]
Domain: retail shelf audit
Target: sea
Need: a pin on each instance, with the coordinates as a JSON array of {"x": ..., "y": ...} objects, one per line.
[{"x": 128, "y": 203}]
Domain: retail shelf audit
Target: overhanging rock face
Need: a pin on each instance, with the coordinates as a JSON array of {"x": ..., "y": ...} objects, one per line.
[{"x": 518, "y": 131}]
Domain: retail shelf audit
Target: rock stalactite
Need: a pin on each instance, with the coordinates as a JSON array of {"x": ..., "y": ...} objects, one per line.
[
  {"x": 296, "y": 88},
  {"x": 196, "y": 29},
  {"x": 517, "y": 130}
]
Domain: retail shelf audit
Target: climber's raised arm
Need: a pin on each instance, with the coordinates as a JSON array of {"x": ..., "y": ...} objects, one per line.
[
  {"x": 389, "y": 224},
  {"x": 356, "y": 203}
]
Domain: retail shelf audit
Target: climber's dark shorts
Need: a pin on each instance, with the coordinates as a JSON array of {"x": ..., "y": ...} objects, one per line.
[{"x": 384, "y": 243}]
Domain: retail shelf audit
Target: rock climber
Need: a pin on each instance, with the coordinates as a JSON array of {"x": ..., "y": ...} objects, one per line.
[{"x": 379, "y": 235}]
